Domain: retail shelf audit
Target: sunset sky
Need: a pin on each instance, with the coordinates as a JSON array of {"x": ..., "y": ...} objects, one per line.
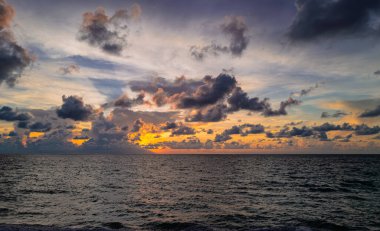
[{"x": 166, "y": 76}]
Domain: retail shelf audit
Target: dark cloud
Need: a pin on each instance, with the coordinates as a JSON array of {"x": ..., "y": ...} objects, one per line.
[
  {"x": 326, "y": 127},
  {"x": 126, "y": 102},
  {"x": 242, "y": 130},
  {"x": 214, "y": 90},
  {"x": 302, "y": 132},
  {"x": 282, "y": 110},
  {"x": 240, "y": 100},
  {"x": 13, "y": 58},
  {"x": 377, "y": 72},
  {"x": 10, "y": 115},
  {"x": 235, "y": 28},
  {"x": 317, "y": 18},
  {"x": 137, "y": 125},
  {"x": 213, "y": 113},
  {"x": 40, "y": 127},
  {"x": 210, "y": 100},
  {"x": 74, "y": 108},
  {"x": 222, "y": 137},
  {"x": 69, "y": 69},
  {"x": 336, "y": 114},
  {"x": 165, "y": 91},
  {"x": 363, "y": 130},
  {"x": 371, "y": 113},
  {"x": 104, "y": 130},
  {"x": 108, "y": 33},
  {"x": 183, "y": 130},
  {"x": 169, "y": 126}
]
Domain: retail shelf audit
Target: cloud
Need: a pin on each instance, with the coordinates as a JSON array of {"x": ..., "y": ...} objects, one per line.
[
  {"x": 137, "y": 125},
  {"x": 8, "y": 114},
  {"x": 183, "y": 130},
  {"x": 108, "y": 33},
  {"x": 40, "y": 127},
  {"x": 337, "y": 114},
  {"x": 282, "y": 110},
  {"x": 377, "y": 72},
  {"x": 209, "y": 100},
  {"x": 371, "y": 113},
  {"x": 242, "y": 130},
  {"x": 213, "y": 113},
  {"x": 69, "y": 69},
  {"x": 317, "y": 18},
  {"x": 240, "y": 100},
  {"x": 214, "y": 90},
  {"x": 199, "y": 52},
  {"x": 105, "y": 131},
  {"x": 235, "y": 28},
  {"x": 14, "y": 59},
  {"x": 363, "y": 130},
  {"x": 169, "y": 125},
  {"x": 125, "y": 102},
  {"x": 74, "y": 108},
  {"x": 305, "y": 92},
  {"x": 165, "y": 91}
]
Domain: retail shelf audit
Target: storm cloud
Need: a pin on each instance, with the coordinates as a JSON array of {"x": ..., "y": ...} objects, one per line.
[
  {"x": 74, "y": 108},
  {"x": 14, "y": 59},
  {"x": 108, "y": 33},
  {"x": 317, "y": 18}
]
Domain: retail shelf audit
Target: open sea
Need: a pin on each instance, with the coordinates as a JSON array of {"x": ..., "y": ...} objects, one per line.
[{"x": 190, "y": 192}]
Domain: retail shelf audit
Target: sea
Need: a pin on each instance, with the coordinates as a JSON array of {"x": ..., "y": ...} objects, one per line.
[{"x": 189, "y": 192}]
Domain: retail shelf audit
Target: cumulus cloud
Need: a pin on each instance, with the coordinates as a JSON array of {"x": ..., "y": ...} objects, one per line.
[
  {"x": 235, "y": 28},
  {"x": 371, "y": 113},
  {"x": 214, "y": 90},
  {"x": 10, "y": 115},
  {"x": 74, "y": 108},
  {"x": 242, "y": 130},
  {"x": 240, "y": 100},
  {"x": 14, "y": 59},
  {"x": 213, "y": 113},
  {"x": 183, "y": 130},
  {"x": 40, "y": 127},
  {"x": 69, "y": 69},
  {"x": 317, "y": 18},
  {"x": 209, "y": 100},
  {"x": 108, "y": 33}
]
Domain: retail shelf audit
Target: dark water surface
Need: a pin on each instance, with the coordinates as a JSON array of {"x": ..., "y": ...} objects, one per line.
[{"x": 190, "y": 192}]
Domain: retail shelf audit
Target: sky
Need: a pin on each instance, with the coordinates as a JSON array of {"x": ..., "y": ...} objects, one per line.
[{"x": 173, "y": 77}]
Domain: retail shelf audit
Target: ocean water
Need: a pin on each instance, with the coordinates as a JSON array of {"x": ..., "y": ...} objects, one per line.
[{"x": 190, "y": 192}]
